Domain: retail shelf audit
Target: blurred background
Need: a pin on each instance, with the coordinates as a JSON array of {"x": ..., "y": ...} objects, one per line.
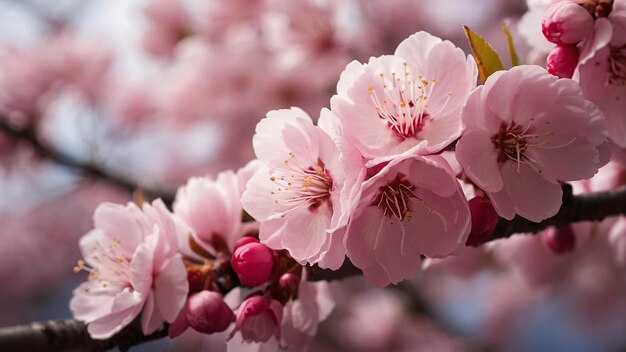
[{"x": 98, "y": 97}]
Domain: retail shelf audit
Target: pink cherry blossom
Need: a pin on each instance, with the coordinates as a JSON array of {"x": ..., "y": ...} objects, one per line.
[
  {"x": 212, "y": 208},
  {"x": 603, "y": 80},
  {"x": 411, "y": 100},
  {"x": 526, "y": 130},
  {"x": 133, "y": 266},
  {"x": 414, "y": 206},
  {"x": 258, "y": 319},
  {"x": 301, "y": 194}
]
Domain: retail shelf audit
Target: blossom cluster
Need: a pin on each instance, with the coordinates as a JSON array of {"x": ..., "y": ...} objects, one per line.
[{"x": 411, "y": 160}]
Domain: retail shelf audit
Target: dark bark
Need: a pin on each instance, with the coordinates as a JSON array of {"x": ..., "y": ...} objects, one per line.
[{"x": 69, "y": 335}]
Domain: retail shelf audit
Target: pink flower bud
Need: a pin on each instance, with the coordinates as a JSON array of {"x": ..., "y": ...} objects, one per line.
[
  {"x": 258, "y": 319},
  {"x": 561, "y": 241},
  {"x": 208, "y": 313},
  {"x": 205, "y": 312},
  {"x": 484, "y": 220},
  {"x": 562, "y": 61},
  {"x": 253, "y": 263},
  {"x": 567, "y": 23},
  {"x": 245, "y": 240}
]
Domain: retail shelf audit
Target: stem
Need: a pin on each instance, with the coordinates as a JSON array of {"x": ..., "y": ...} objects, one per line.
[{"x": 88, "y": 169}]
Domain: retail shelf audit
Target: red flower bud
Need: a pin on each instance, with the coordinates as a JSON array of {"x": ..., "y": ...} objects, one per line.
[
  {"x": 562, "y": 240},
  {"x": 484, "y": 220},
  {"x": 205, "y": 312},
  {"x": 253, "y": 263},
  {"x": 208, "y": 313},
  {"x": 245, "y": 240},
  {"x": 562, "y": 61}
]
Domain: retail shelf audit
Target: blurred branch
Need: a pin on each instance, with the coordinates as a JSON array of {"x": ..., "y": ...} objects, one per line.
[{"x": 87, "y": 169}]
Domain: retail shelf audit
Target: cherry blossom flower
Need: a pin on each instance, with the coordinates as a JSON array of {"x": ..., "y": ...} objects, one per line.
[
  {"x": 526, "y": 130},
  {"x": 213, "y": 208},
  {"x": 405, "y": 102},
  {"x": 132, "y": 260},
  {"x": 301, "y": 194},
  {"x": 414, "y": 206}
]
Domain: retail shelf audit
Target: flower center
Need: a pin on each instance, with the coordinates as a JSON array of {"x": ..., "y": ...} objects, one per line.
[
  {"x": 617, "y": 66},
  {"x": 112, "y": 265},
  {"x": 393, "y": 199},
  {"x": 511, "y": 143},
  {"x": 300, "y": 186},
  {"x": 404, "y": 101}
]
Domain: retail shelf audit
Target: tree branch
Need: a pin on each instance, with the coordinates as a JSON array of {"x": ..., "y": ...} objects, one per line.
[
  {"x": 584, "y": 207},
  {"x": 92, "y": 170},
  {"x": 70, "y": 335}
]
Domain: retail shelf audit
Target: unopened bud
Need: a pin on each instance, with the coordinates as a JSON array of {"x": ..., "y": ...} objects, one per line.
[
  {"x": 562, "y": 61},
  {"x": 566, "y": 23},
  {"x": 208, "y": 313},
  {"x": 253, "y": 263},
  {"x": 245, "y": 240},
  {"x": 484, "y": 220},
  {"x": 561, "y": 240}
]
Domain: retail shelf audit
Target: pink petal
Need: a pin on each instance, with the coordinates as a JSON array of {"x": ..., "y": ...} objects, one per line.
[
  {"x": 478, "y": 156},
  {"x": 171, "y": 288},
  {"x": 533, "y": 197}
]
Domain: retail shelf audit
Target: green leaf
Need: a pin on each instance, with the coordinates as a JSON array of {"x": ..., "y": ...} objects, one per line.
[
  {"x": 511, "y": 45},
  {"x": 487, "y": 59}
]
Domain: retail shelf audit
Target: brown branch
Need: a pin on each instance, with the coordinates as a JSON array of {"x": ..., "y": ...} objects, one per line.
[
  {"x": 87, "y": 169},
  {"x": 70, "y": 335},
  {"x": 584, "y": 207},
  {"x": 73, "y": 335}
]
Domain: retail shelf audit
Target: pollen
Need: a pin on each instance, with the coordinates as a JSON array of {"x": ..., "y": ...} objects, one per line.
[{"x": 403, "y": 102}]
